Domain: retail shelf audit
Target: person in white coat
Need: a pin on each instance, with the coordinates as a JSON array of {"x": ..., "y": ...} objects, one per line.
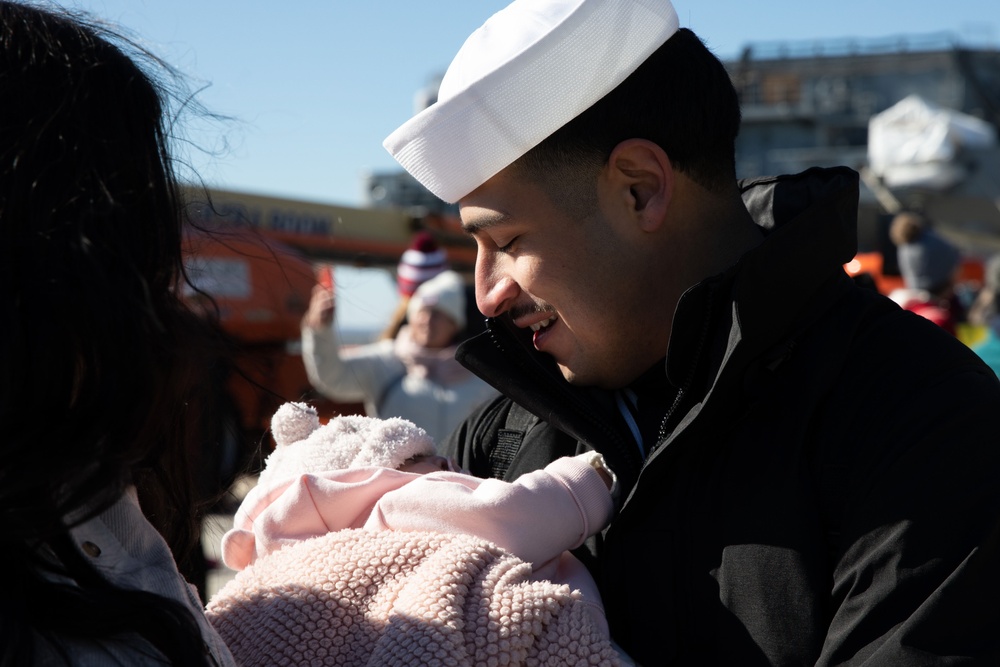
[{"x": 415, "y": 376}]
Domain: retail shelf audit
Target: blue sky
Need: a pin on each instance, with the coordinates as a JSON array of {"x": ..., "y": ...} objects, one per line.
[{"x": 312, "y": 87}]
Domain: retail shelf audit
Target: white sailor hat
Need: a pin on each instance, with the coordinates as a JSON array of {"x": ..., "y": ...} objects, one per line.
[{"x": 531, "y": 68}]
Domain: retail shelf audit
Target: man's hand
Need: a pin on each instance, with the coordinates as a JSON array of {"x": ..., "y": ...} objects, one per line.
[{"x": 321, "y": 308}]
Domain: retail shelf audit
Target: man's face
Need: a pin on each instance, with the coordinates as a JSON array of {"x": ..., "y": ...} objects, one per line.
[{"x": 570, "y": 279}]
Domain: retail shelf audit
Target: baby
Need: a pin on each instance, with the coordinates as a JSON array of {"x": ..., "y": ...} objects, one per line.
[{"x": 366, "y": 533}]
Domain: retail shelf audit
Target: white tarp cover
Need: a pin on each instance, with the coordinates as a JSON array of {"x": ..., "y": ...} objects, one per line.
[{"x": 916, "y": 144}]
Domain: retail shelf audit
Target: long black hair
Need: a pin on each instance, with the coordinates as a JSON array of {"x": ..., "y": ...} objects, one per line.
[{"x": 97, "y": 352}]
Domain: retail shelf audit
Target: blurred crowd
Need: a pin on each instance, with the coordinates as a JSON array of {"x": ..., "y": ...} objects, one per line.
[{"x": 955, "y": 288}]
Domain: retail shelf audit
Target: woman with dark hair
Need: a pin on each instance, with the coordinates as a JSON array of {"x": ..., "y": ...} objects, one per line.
[{"x": 98, "y": 357}]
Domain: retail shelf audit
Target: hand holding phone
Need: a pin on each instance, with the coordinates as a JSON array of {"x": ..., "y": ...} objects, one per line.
[
  {"x": 324, "y": 276},
  {"x": 321, "y": 303}
]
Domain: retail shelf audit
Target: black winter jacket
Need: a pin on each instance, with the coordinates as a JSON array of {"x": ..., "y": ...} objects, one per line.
[{"x": 827, "y": 487}]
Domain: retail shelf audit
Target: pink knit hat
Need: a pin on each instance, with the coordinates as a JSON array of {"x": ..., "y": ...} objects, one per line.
[
  {"x": 423, "y": 260},
  {"x": 350, "y": 441}
]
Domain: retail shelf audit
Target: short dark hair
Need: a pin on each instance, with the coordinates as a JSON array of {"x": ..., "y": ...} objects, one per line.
[{"x": 680, "y": 98}]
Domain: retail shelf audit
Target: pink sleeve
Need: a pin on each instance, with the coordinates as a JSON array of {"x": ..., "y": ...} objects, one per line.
[
  {"x": 298, "y": 508},
  {"x": 537, "y": 517}
]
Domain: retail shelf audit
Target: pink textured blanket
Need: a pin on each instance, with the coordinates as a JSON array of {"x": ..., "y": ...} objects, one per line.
[{"x": 361, "y": 597}]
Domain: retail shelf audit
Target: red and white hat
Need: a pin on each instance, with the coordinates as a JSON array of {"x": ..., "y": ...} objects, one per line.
[
  {"x": 423, "y": 260},
  {"x": 531, "y": 68}
]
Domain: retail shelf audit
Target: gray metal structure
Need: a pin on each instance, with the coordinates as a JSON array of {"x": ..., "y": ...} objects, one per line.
[{"x": 808, "y": 104}]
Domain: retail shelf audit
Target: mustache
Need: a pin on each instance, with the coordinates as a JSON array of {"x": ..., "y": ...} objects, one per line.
[{"x": 529, "y": 309}]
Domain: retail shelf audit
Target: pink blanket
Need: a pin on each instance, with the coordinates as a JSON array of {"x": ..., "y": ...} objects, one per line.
[{"x": 362, "y": 597}]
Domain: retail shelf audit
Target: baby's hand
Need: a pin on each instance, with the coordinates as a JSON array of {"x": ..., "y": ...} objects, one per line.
[{"x": 598, "y": 463}]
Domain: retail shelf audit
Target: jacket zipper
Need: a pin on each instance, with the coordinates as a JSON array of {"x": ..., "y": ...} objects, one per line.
[{"x": 691, "y": 375}]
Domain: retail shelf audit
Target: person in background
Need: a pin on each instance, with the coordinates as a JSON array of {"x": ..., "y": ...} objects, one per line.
[
  {"x": 808, "y": 476},
  {"x": 928, "y": 264},
  {"x": 414, "y": 376},
  {"x": 98, "y": 356},
  {"x": 420, "y": 262},
  {"x": 985, "y": 312}
]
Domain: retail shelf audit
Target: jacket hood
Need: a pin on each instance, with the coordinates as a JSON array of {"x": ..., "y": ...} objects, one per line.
[{"x": 810, "y": 225}]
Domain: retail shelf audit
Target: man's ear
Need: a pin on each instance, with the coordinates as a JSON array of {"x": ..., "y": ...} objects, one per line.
[{"x": 641, "y": 174}]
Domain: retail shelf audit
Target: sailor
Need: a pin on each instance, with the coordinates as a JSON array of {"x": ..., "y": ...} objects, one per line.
[{"x": 793, "y": 487}]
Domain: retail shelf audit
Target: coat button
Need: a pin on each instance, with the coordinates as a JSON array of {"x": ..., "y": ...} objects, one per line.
[{"x": 91, "y": 549}]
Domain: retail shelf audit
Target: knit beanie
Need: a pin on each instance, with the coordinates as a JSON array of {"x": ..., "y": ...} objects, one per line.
[
  {"x": 423, "y": 260},
  {"x": 350, "y": 441},
  {"x": 444, "y": 292},
  {"x": 928, "y": 262}
]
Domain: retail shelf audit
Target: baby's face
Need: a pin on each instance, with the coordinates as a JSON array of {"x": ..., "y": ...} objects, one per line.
[{"x": 424, "y": 464}]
